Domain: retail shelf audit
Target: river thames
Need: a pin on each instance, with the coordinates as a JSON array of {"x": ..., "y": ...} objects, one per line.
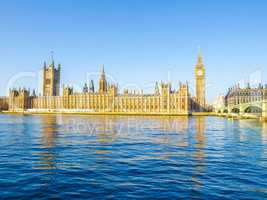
[{"x": 108, "y": 157}]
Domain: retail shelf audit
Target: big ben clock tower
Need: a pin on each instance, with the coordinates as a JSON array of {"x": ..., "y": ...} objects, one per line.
[{"x": 200, "y": 83}]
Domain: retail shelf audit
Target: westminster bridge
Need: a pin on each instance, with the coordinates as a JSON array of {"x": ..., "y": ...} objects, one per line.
[{"x": 246, "y": 102}]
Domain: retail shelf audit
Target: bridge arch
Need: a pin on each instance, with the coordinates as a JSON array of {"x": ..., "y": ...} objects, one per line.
[
  {"x": 253, "y": 109},
  {"x": 235, "y": 110}
]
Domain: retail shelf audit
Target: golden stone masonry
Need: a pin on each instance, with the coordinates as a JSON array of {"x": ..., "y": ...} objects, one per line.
[{"x": 164, "y": 100}]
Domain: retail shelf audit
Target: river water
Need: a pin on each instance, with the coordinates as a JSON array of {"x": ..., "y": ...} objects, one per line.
[{"x": 106, "y": 157}]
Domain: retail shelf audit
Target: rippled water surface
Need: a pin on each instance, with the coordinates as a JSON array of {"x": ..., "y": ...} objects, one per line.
[{"x": 105, "y": 157}]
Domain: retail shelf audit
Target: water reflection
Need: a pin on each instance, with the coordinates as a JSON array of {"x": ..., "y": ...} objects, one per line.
[
  {"x": 48, "y": 133},
  {"x": 199, "y": 154},
  {"x": 264, "y": 138},
  {"x": 49, "y": 125},
  {"x": 200, "y": 138},
  {"x": 125, "y": 156},
  {"x": 108, "y": 129},
  {"x": 264, "y": 132},
  {"x": 174, "y": 129}
]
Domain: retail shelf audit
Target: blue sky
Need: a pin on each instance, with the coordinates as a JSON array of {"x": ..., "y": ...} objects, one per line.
[{"x": 138, "y": 41}]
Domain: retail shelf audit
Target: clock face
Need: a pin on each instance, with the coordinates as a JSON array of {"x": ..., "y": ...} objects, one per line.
[{"x": 199, "y": 72}]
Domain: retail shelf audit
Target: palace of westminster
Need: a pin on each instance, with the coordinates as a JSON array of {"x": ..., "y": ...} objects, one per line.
[{"x": 164, "y": 100}]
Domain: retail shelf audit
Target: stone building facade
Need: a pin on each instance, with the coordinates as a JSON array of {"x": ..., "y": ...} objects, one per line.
[
  {"x": 3, "y": 103},
  {"x": 19, "y": 100},
  {"x": 200, "y": 99},
  {"x": 164, "y": 100},
  {"x": 247, "y": 101},
  {"x": 237, "y": 95},
  {"x": 51, "y": 80}
]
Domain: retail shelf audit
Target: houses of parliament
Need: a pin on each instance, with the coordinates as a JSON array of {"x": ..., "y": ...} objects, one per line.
[{"x": 107, "y": 99}]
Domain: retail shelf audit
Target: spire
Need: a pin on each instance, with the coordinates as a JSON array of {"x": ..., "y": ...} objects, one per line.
[
  {"x": 102, "y": 72},
  {"x": 91, "y": 86},
  {"x": 199, "y": 51},
  {"x": 102, "y": 81},
  {"x": 85, "y": 88},
  {"x": 52, "y": 58},
  {"x": 33, "y": 93},
  {"x": 199, "y": 59},
  {"x": 156, "y": 88},
  {"x": 44, "y": 65},
  {"x": 200, "y": 64}
]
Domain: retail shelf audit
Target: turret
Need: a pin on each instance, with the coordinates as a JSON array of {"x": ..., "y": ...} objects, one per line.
[
  {"x": 85, "y": 88},
  {"x": 165, "y": 89},
  {"x": 112, "y": 90},
  {"x": 51, "y": 79},
  {"x": 67, "y": 91},
  {"x": 59, "y": 67},
  {"x": 102, "y": 82},
  {"x": 126, "y": 92},
  {"x": 156, "y": 88},
  {"x": 33, "y": 93},
  {"x": 91, "y": 86}
]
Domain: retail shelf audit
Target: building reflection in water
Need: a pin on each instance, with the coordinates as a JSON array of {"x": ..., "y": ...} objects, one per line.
[
  {"x": 110, "y": 129},
  {"x": 169, "y": 132},
  {"x": 48, "y": 127},
  {"x": 264, "y": 138},
  {"x": 107, "y": 129},
  {"x": 172, "y": 131},
  {"x": 264, "y": 132},
  {"x": 106, "y": 132},
  {"x": 199, "y": 154}
]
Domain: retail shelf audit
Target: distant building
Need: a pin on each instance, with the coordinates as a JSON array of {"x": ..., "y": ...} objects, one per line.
[
  {"x": 200, "y": 84},
  {"x": 51, "y": 80},
  {"x": 219, "y": 104},
  {"x": 242, "y": 96},
  {"x": 247, "y": 101},
  {"x": 164, "y": 100},
  {"x": 20, "y": 100},
  {"x": 3, "y": 103},
  {"x": 198, "y": 102}
]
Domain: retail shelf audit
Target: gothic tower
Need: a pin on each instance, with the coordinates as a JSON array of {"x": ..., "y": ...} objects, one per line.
[
  {"x": 91, "y": 87},
  {"x": 200, "y": 83},
  {"x": 51, "y": 79},
  {"x": 102, "y": 82}
]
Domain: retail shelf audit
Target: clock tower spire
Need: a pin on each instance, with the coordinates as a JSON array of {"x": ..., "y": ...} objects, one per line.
[{"x": 200, "y": 83}]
